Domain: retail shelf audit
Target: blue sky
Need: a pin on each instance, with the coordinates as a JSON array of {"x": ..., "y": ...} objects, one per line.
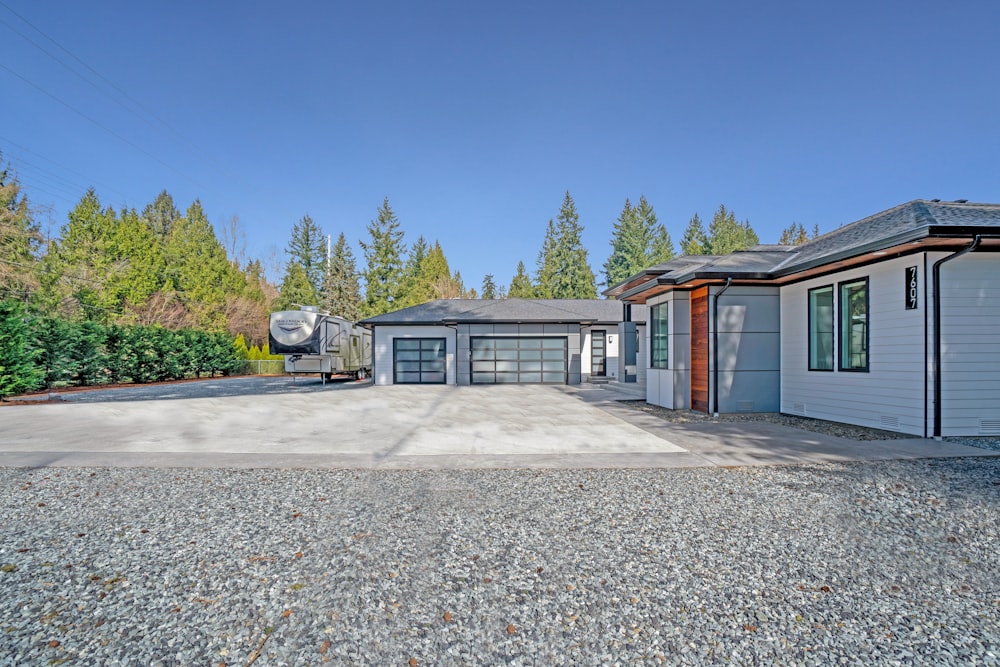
[{"x": 475, "y": 118}]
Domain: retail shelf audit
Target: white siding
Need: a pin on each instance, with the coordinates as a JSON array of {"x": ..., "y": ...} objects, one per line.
[
  {"x": 670, "y": 387},
  {"x": 892, "y": 393},
  {"x": 970, "y": 335},
  {"x": 382, "y": 352}
]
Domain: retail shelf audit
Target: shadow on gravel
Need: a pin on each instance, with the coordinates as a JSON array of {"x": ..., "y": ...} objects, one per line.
[{"x": 204, "y": 388}]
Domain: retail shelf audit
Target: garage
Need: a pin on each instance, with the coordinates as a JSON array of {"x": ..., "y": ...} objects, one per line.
[
  {"x": 418, "y": 360},
  {"x": 519, "y": 360}
]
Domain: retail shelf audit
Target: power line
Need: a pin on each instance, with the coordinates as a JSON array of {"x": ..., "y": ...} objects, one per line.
[
  {"x": 148, "y": 113},
  {"x": 100, "y": 125},
  {"x": 21, "y": 147}
]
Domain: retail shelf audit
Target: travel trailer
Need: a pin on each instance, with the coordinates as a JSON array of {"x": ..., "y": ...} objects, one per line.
[{"x": 316, "y": 342}]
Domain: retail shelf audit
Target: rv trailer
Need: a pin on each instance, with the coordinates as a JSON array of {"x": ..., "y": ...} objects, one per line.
[{"x": 315, "y": 342}]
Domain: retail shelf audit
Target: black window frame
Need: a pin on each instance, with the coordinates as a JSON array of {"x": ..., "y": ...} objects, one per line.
[
  {"x": 655, "y": 361},
  {"x": 843, "y": 333},
  {"x": 421, "y": 339},
  {"x": 810, "y": 332}
]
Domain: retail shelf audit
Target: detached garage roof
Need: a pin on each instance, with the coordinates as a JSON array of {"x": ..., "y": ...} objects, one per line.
[{"x": 493, "y": 311}]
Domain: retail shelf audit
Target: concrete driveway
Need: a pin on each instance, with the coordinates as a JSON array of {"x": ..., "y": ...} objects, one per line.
[{"x": 403, "y": 426}]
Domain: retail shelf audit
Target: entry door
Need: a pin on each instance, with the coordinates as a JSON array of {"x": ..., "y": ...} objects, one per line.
[{"x": 598, "y": 353}]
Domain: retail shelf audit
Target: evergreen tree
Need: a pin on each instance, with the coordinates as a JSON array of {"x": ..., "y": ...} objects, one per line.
[
  {"x": 19, "y": 238},
  {"x": 296, "y": 290},
  {"x": 490, "y": 289},
  {"x": 574, "y": 279},
  {"x": 638, "y": 242},
  {"x": 160, "y": 215},
  {"x": 794, "y": 234},
  {"x": 341, "y": 294},
  {"x": 628, "y": 251},
  {"x": 384, "y": 264},
  {"x": 18, "y": 371},
  {"x": 198, "y": 269},
  {"x": 694, "y": 241},
  {"x": 545, "y": 273},
  {"x": 307, "y": 247},
  {"x": 434, "y": 279},
  {"x": 657, "y": 245},
  {"x": 726, "y": 235},
  {"x": 520, "y": 284}
]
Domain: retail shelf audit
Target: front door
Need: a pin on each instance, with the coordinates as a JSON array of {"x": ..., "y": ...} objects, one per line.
[{"x": 598, "y": 353}]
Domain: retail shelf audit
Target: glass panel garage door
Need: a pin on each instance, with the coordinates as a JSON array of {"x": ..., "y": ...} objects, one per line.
[
  {"x": 518, "y": 360},
  {"x": 418, "y": 360}
]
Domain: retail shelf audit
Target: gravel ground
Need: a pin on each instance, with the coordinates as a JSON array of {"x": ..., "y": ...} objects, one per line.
[
  {"x": 890, "y": 563},
  {"x": 848, "y": 431}
]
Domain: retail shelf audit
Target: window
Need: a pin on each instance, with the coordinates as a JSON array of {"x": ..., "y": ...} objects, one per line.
[
  {"x": 658, "y": 340},
  {"x": 821, "y": 328},
  {"x": 854, "y": 325}
]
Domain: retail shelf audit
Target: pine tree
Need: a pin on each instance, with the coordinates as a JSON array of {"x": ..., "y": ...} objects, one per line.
[
  {"x": 568, "y": 271},
  {"x": 307, "y": 247},
  {"x": 694, "y": 241},
  {"x": 296, "y": 289},
  {"x": 657, "y": 245},
  {"x": 341, "y": 294},
  {"x": 19, "y": 238},
  {"x": 545, "y": 273},
  {"x": 384, "y": 264},
  {"x": 794, "y": 234},
  {"x": 199, "y": 270},
  {"x": 160, "y": 215},
  {"x": 627, "y": 247},
  {"x": 414, "y": 293},
  {"x": 520, "y": 284},
  {"x": 490, "y": 289},
  {"x": 434, "y": 279},
  {"x": 726, "y": 235}
]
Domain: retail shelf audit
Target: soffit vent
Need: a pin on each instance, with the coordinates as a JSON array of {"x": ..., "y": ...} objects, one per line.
[
  {"x": 989, "y": 427},
  {"x": 889, "y": 423}
]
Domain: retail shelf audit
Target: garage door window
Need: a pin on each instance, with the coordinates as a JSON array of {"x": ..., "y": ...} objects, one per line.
[
  {"x": 418, "y": 360},
  {"x": 518, "y": 360}
]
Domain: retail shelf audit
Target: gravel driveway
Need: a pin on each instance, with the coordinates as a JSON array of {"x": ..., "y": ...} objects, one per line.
[{"x": 838, "y": 563}]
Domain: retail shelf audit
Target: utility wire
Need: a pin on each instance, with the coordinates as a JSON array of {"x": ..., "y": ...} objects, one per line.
[
  {"x": 148, "y": 113},
  {"x": 100, "y": 125}
]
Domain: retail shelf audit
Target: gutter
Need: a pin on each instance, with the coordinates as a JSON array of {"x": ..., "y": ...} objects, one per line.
[
  {"x": 936, "y": 363},
  {"x": 715, "y": 346}
]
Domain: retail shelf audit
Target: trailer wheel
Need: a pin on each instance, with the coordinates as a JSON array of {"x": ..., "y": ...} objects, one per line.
[{"x": 360, "y": 374}]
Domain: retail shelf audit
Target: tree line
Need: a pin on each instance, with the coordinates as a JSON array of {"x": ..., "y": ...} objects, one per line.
[{"x": 167, "y": 267}]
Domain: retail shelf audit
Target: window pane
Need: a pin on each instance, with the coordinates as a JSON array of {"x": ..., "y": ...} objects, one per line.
[
  {"x": 821, "y": 329},
  {"x": 482, "y": 344},
  {"x": 407, "y": 355},
  {"x": 553, "y": 366},
  {"x": 407, "y": 343},
  {"x": 508, "y": 355},
  {"x": 506, "y": 365},
  {"x": 554, "y": 377},
  {"x": 554, "y": 343},
  {"x": 531, "y": 377},
  {"x": 506, "y": 343},
  {"x": 554, "y": 354},
  {"x": 658, "y": 352},
  {"x": 482, "y": 354},
  {"x": 854, "y": 326},
  {"x": 480, "y": 366},
  {"x": 435, "y": 378},
  {"x": 407, "y": 377},
  {"x": 483, "y": 378},
  {"x": 531, "y": 365}
]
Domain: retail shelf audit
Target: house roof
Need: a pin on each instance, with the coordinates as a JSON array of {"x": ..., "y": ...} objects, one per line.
[
  {"x": 906, "y": 223},
  {"x": 472, "y": 311}
]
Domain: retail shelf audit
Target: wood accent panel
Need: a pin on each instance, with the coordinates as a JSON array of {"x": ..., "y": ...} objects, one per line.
[{"x": 699, "y": 349}]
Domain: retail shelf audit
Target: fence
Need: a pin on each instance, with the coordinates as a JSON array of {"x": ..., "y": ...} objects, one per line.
[{"x": 263, "y": 367}]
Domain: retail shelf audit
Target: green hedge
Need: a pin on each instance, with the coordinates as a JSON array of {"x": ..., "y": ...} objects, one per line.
[{"x": 47, "y": 351}]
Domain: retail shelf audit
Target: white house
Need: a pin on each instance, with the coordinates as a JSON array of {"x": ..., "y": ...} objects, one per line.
[
  {"x": 891, "y": 322},
  {"x": 493, "y": 341}
]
